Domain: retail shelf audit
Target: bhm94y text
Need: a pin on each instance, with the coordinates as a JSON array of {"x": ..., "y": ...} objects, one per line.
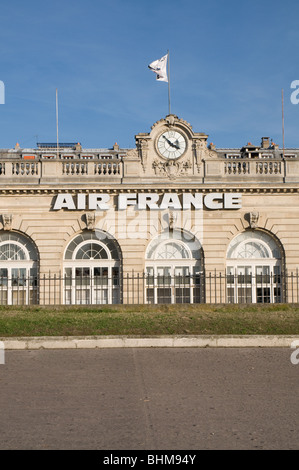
[{"x": 150, "y": 459}]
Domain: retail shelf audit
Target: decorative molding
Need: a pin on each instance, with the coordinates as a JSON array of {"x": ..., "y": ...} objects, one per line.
[
  {"x": 252, "y": 218},
  {"x": 7, "y": 221},
  {"x": 142, "y": 145},
  {"x": 172, "y": 218},
  {"x": 199, "y": 147},
  {"x": 171, "y": 168},
  {"x": 132, "y": 153},
  {"x": 90, "y": 220},
  {"x": 170, "y": 119},
  {"x": 184, "y": 186}
]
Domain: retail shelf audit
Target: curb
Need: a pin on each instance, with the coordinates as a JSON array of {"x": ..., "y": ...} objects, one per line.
[{"x": 178, "y": 341}]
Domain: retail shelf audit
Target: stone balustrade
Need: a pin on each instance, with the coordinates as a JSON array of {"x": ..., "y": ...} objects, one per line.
[
  {"x": 130, "y": 170},
  {"x": 43, "y": 171}
]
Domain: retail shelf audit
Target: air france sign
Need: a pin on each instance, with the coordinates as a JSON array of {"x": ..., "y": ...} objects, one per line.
[{"x": 151, "y": 201}]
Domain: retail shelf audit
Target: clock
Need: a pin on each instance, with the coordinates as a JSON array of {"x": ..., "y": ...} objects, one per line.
[{"x": 171, "y": 144}]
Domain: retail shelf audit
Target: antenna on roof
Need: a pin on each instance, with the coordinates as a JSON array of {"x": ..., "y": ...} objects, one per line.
[
  {"x": 57, "y": 123},
  {"x": 282, "y": 123}
]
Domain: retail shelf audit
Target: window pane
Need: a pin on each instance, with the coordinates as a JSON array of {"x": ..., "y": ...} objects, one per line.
[
  {"x": 171, "y": 251},
  {"x": 83, "y": 296},
  {"x": 198, "y": 295},
  {"x": 96, "y": 247},
  {"x": 18, "y": 277},
  {"x": 3, "y": 277},
  {"x": 115, "y": 296},
  {"x": 82, "y": 276},
  {"x": 150, "y": 295},
  {"x": 182, "y": 275},
  {"x": 277, "y": 295},
  {"x": 18, "y": 297},
  {"x": 100, "y": 276},
  {"x": 263, "y": 295},
  {"x": 182, "y": 296},
  {"x": 163, "y": 295},
  {"x": 197, "y": 276},
  {"x": 101, "y": 296},
  {"x": 91, "y": 251},
  {"x": 115, "y": 277},
  {"x": 244, "y": 295},
  {"x": 3, "y": 297},
  {"x": 10, "y": 251},
  {"x": 231, "y": 295},
  {"x": 33, "y": 277},
  {"x": 262, "y": 274},
  {"x": 163, "y": 276}
]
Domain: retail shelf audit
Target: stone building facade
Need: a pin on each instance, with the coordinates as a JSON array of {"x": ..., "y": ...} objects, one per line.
[{"x": 174, "y": 219}]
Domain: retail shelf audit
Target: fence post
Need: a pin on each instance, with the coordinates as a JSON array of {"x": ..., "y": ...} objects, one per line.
[
  {"x": 292, "y": 284},
  {"x": 215, "y": 287},
  {"x": 55, "y": 289},
  {"x": 220, "y": 279}
]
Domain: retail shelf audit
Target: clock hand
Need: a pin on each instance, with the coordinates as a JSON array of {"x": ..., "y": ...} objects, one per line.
[
  {"x": 175, "y": 144},
  {"x": 168, "y": 141},
  {"x": 171, "y": 143}
]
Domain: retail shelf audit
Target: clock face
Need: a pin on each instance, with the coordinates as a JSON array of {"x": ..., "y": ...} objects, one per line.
[{"x": 171, "y": 144}]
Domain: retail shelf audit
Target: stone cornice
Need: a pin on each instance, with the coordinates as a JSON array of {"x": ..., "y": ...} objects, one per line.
[{"x": 283, "y": 189}]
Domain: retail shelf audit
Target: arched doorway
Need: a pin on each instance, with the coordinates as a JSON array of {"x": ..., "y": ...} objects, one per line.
[
  {"x": 92, "y": 263},
  {"x": 254, "y": 266},
  {"x": 174, "y": 269},
  {"x": 18, "y": 269}
]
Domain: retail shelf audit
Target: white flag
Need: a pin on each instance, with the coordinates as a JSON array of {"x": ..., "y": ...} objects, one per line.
[{"x": 159, "y": 67}]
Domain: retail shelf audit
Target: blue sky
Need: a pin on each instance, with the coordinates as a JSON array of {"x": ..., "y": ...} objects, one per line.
[{"x": 229, "y": 61}]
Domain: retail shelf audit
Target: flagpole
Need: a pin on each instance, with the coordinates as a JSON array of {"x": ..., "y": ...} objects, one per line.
[
  {"x": 282, "y": 123},
  {"x": 168, "y": 84},
  {"x": 57, "y": 124}
]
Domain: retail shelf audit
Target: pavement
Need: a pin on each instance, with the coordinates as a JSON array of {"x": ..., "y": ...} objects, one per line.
[
  {"x": 159, "y": 400},
  {"x": 171, "y": 341}
]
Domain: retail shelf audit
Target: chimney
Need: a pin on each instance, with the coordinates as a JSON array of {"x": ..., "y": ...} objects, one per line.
[{"x": 265, "y": 144}]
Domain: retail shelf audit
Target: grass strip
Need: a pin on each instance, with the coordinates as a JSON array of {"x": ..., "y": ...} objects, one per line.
[{"x": 150, "y": 320}]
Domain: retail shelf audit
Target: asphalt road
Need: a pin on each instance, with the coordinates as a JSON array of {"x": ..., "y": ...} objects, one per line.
[{"x": 174, "y": 399}]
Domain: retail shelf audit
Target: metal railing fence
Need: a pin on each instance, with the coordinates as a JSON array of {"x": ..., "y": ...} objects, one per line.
[{"x": 139, "y": 288}]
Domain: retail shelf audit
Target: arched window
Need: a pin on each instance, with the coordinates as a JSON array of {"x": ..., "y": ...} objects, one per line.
[
  {"x": 254, "y": 261},
  {"x": 18, "y": 269},
  {"x": 92, "y": 264},
  {"x": 173, "y": 269},
  {"x": 170, "y": 250}
]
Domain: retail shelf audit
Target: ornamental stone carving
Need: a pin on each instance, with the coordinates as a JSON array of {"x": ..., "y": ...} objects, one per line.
[
  {"x": 172, "y": 218},
  {"x": 142, "y": 145},
  {"x": 90, "y": 218},
  {"x": 252, "y": 218},
  {"x": 132, "y": 153},
  {"x": 7, "y": 221},
  {"x": 171, "y": 168}
]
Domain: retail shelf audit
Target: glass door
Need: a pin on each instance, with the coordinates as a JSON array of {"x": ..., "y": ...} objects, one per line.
[
  {"x": 90, "y": 285},
  {"x": 253, "y": 283},
  {"x": 174, "y": 284}
]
